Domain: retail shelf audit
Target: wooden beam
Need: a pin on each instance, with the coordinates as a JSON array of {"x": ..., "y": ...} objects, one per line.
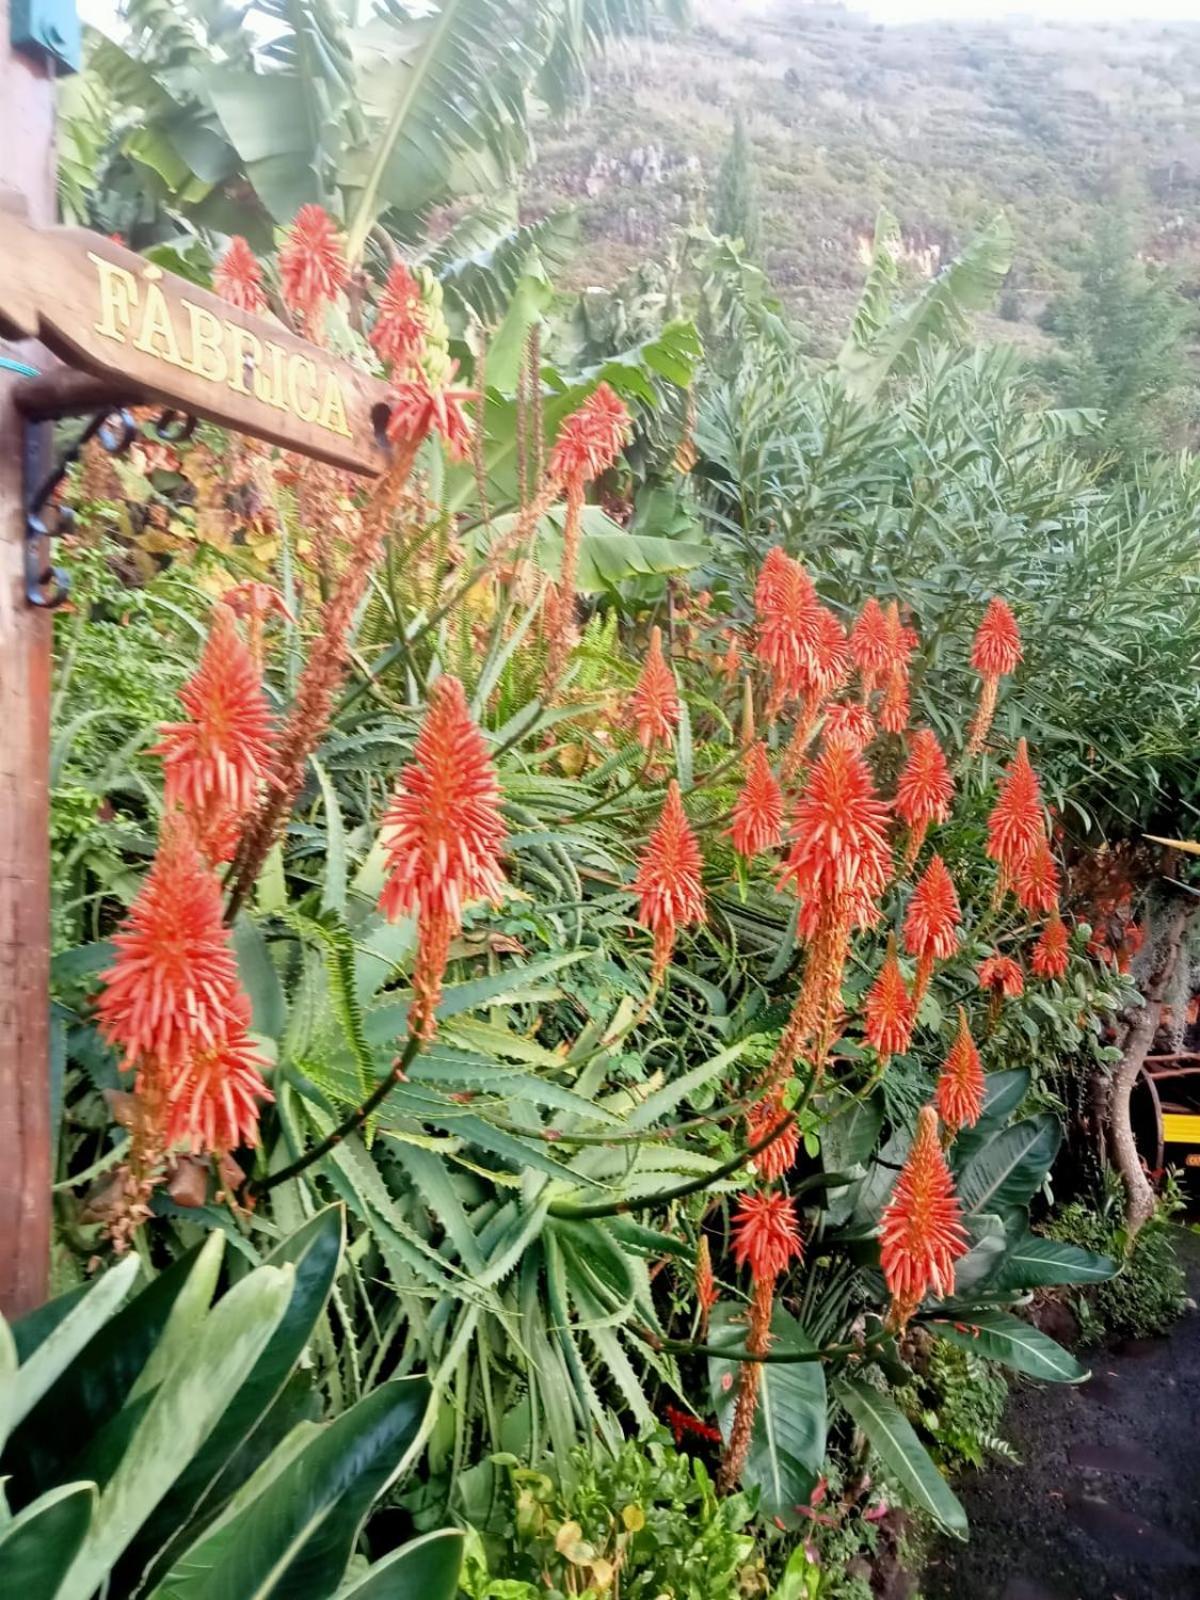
[
  {"x": 107, "y": 311},
  {"x": 27, "y": 173}
]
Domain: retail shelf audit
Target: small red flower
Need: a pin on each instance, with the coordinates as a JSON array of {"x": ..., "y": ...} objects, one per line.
[
  {"x": 215, "y": 762},
  {"x": 780, "y": 1155},
  {"x": 212, "y": 1106},
  {"x": 840, "y": 859},
  {"x": 786, "y": 609},
  {"x": 920, "y": 1232},
  {"x": 682, "y": 1423},
  {"x": 889, "y": 1015},
  {"x": 1003, "y": 976},
  {"x": 706, "y": 1286},
  {"x": 592, "y": 438},
  {"x": 419, "y": 408},
  {"x": 931, "y": 924},
  {"x": 925, "y": 788},
  {"x": 997, "y": 647},
  {"x": 237, "y": 277},
  {"x": 1037, "y": 883},
  {"x": 668, "y": 882},
  {"x": 758, "y": 810},
  {"x": 312, "y": 263},
  {"x": 443, "y": 834},
  {"x": 996, "y": 651},
  {"x": 902, "y": 641},
  {"x": 850, "y": 724},
  {"x": 654, "y": 708},
  {"x": 1017, "y": 824},
  {"x": 871, "y": 645},
  {"x": 1051, "y": 953},
  {"x": 828, "y": 664},
  {"x": 766, "y": 1235},
  {"x": 400, "y": 320},
  {"x": 731, "y": 661},
  {"x": 961, "y": 1086},
  {"x": 173, "y": 991}
]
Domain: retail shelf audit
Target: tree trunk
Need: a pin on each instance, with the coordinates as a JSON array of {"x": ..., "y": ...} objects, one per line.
[{"x": 1139, "y": 1193}]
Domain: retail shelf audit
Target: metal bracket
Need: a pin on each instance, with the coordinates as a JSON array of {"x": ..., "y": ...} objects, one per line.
[{"x": 115, "y": 430}]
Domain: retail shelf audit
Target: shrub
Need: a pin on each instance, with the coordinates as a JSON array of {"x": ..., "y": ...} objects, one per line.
[
  {"x": 958, "y": 1398},
  {"x": 647, "y": 1518},
  {"x": 1149, "y": 1291}
]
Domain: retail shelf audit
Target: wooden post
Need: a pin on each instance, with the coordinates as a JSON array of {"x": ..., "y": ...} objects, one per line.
[{"x": 27, "y": 186}]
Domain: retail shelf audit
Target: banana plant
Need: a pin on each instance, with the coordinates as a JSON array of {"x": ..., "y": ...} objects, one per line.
[
  {"x": 233, "y": 118},
  {"x": 160, "y": 1439}
]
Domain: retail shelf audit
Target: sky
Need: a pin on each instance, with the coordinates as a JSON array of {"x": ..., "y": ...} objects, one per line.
[{"x": 1045, "y": 10}]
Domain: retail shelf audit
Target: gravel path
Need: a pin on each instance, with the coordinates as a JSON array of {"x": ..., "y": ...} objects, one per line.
[{"x": 1106, "y": 1505}]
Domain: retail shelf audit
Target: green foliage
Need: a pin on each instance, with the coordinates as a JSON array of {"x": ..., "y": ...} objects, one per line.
[
  {"x": 167, "y": 1443},
  {"x": 1148, "y": 1294},
  {"x": 646, "y": 1519},
  {"x": 957, "y": 487},
  {"x": 958, "y": 1398},
  {"x": 735, "y": 202},
  {"x": 225, "y": 135},
  {"x": 1126, "y": 332}
]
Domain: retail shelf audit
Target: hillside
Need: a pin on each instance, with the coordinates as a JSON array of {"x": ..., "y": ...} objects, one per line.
[{"x": 942, "y": 123}]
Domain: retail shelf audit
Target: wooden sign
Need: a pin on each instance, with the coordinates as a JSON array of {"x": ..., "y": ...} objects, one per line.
[{"x": 105, "y": 310}]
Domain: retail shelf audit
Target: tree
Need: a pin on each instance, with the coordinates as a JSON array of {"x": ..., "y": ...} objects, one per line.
[
  {"x": 736, "y": 213},
  {"x": 1124, "y": 333}
]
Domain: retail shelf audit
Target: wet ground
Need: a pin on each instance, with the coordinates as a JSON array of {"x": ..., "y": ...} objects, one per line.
[{"x": 1106, "y": 1505}]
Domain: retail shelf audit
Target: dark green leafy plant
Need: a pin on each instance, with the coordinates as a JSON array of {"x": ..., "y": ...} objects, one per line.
[{"x": 159, "y": 1442}]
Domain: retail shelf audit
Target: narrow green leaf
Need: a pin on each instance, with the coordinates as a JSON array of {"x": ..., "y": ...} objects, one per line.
[
  {"x": 905, "y": 1458},
  {"x": 333, "y": 891}
]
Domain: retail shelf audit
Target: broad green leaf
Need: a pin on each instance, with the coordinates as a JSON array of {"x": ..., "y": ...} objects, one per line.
[
  {"x": 265, "y": 117},
  {"x": 880, "y": 345},
  {"x": 87, "y": 1399},
  {"x": 190, "y": 1307},
  {"x": 1003, "y": 1093},
  {"x": 1034, "y": 1261},
  {"x": 8, "y": 1380},
  {"x": 1002, "y": 1337},
  {"x": 293, "y": 1537},
  {"x": 787, "y": 1446},
  {"x": 314, "y": 1251},
  {"x": 904, "y": 1457},
  {"x": 178, "y": 1419},
  {"x": 1010, "y": 1168},
  {"x": 60, "y": 1347},
  {"x": 424, "y": 1569},
  {"x": 848, "y": 1137},
  {"x": 38, "y": 1546},
  {"x": 608, "y": 556}
]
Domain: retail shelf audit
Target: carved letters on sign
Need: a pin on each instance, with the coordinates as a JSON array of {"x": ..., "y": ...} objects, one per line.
[{"x": 110, "y": 312}]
